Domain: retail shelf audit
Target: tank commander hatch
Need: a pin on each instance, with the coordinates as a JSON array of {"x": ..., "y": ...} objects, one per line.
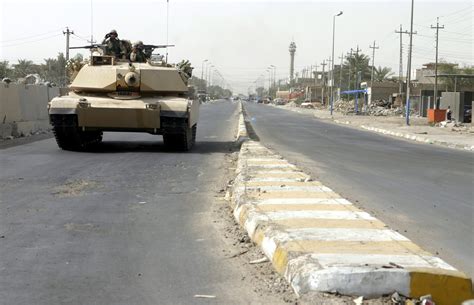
[
  {"x": 112, "y": 44},
  {"x": 138, "y": 53}
]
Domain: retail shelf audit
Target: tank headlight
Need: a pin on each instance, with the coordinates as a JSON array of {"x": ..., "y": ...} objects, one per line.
[{"x": 132, "y": 79}]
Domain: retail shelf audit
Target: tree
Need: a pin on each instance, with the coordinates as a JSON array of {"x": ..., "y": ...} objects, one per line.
[
  {"x": 54, "y": 69},
  {"x": 198, "y": 83},
  {"x": 260, "y": 91},
  {"x": 353, "y": 65},
  {"x": 449, "y": 68},
  {"x": 381, "y": 74},
  {"x": 23, "y": 68},
  {"x": 5, "y": 70}
]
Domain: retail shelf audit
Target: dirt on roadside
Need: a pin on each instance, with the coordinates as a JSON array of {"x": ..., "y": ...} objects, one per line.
[{"x": 267, "y": 283}]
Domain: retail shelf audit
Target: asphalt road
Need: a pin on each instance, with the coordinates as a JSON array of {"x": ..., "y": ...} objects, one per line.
[
  {"x": 127, "y": 224},
  {"x": 425, "y": 192}
]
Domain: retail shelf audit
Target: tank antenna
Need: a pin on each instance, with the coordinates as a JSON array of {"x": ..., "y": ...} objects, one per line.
[
  {"x": 92, "y": 24},
  {"x": 167, "y": 26}
]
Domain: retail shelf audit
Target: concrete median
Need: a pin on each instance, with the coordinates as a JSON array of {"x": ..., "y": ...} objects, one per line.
[{"x": 320, "y": 241}]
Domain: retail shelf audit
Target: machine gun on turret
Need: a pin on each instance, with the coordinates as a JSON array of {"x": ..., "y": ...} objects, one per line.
[
  {"x": 149, "y": 48},
  {"x": 90, "y": 46}
]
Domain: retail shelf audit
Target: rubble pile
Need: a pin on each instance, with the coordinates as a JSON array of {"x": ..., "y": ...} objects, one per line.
[
  {"x": 343, "y": 106},
  {"x": 384, "y": 111},
  {"x": 292, "y": 104},
  {"x": 453, "y": 125}
]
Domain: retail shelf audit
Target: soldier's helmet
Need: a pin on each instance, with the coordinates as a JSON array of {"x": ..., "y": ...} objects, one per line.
[
  {"x": 138, "y": 44},
  {"x": 113, "y": 32}
]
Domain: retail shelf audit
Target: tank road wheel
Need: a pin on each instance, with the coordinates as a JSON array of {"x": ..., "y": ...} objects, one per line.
[
  {"x": 69, "y": 136},
  {"x": 181, "y": 141}
]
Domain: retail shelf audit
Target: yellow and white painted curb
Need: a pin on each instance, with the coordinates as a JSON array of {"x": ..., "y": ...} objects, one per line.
[
  {"x": 321, "y": 242},
  {"x": 242, "y": 134}
]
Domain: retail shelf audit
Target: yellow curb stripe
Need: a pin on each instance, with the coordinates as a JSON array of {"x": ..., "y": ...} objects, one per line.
[
  {"x": 273, "y": 162},
  {"x": 293, "y": 194},
  {"x": 263, "y": 170},
  {"x": 280, "y": 260},
  {"x": 446, "y": 287},
  {"x": 282, "y": 184},
  {"x": 278, "y": 174},
  {"x": 356, "y": 247}
]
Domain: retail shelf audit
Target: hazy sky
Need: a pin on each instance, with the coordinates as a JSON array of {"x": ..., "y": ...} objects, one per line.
[{"x": 242, "y": 38}]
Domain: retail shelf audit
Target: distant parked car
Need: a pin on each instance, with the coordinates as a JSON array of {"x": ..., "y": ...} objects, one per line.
[
  {"x": 468, "y": 115},
  {"x": 279, "y": 101},
  {"x": 307, "y": 105}
]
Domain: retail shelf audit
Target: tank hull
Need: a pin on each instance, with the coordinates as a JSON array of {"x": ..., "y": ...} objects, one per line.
[{"x": 140, "y": 115}]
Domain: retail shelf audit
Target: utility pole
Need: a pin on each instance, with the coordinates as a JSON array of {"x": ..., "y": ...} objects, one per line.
[
  {"x": 67, "y": 33},
  {"x": 202, "y": 73},
  {"x": 350, "y": 71},
  {"x": 315, "y": 79},
  {"x": 373, "y": 63},
  {"x": 400, "y": 67},
  {"x": 340, "y": 71},
  {"x": 323, "y": 81},
  {"x": 358, "y": 50},
  {"x": 410, "y": 47},
  {"x": 437, "y": 27},
  {"x": 328, "y": 93},
  {"x": 355, "y": 74}
]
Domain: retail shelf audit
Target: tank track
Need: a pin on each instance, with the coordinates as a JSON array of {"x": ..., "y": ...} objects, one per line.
[
  {"x": 177, "y": 135},
  {"x": 69, "y": 136}
]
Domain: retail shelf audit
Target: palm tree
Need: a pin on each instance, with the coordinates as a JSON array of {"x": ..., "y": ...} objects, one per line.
[
  {"x": 5, "y": 70},
  {"x": 381, "y": 74},
  {"x": 23, "y": 68},
  {"x": 357, "y": 64}
]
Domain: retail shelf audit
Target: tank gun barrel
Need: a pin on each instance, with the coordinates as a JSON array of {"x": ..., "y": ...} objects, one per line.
[
  {"x": 159, "y": 46},
  {"x": 91, "y": 46}
]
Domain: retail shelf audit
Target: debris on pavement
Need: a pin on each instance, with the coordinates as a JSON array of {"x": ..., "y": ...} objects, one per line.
[
  {"x": 205, "y": 296},
  {"x": 359, "y": 300},
  {"x": 259, "y": 261}
]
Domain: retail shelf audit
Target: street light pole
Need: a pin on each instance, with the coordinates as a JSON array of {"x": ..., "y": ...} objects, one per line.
[
  {"x": 332, "y": 64},
  {"x": 202, "y": 72},
  {"x": 410, "y": 46},
  {"x": 209, "y": 73}
]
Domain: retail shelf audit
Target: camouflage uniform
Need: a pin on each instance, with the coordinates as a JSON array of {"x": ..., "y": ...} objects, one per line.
[
  {"x": 137, "y": 54},
  {"x": 112, "y": 44}
]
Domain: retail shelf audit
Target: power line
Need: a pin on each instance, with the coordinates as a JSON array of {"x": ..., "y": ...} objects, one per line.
[
  {"x": 29, "y": 37},
  {"x": 27, "y": 42}
]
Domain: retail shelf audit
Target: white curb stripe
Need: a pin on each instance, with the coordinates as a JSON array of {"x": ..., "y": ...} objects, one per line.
[
  {"x": 286, "y": 165},
  {"x": 275, "y": 171},
  {"x": 406, "y": 261},
  {"x": 303, "y": 201},
  {"x": 276, "y": 158},
  {"x": 301, "y": 179},
  {"x": 351, "y": 280},
  {"x": 275, "y": 188},
  {"x": 342, "y": 234},
  {"x": 349, "y": 215}
]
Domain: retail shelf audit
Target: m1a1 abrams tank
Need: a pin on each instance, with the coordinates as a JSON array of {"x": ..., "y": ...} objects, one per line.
[{"x": 113, "y": 95}]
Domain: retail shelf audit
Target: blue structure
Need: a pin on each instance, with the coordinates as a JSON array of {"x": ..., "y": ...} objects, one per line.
[{"x": 356, "y": 93}]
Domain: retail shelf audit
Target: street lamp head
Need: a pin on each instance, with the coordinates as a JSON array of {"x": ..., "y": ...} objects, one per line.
[{"x": 339, "y": 14}]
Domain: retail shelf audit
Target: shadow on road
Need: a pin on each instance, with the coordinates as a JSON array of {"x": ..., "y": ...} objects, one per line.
[{"x": 201, "y": 147}]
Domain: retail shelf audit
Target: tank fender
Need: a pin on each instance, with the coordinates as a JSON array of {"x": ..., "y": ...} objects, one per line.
[
  {"x": 193, "y": 110},
  {"x": 63, "y": 105}
]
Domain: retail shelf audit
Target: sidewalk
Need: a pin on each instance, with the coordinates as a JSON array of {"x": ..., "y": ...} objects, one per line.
[{"x": 419, "y": 130}]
